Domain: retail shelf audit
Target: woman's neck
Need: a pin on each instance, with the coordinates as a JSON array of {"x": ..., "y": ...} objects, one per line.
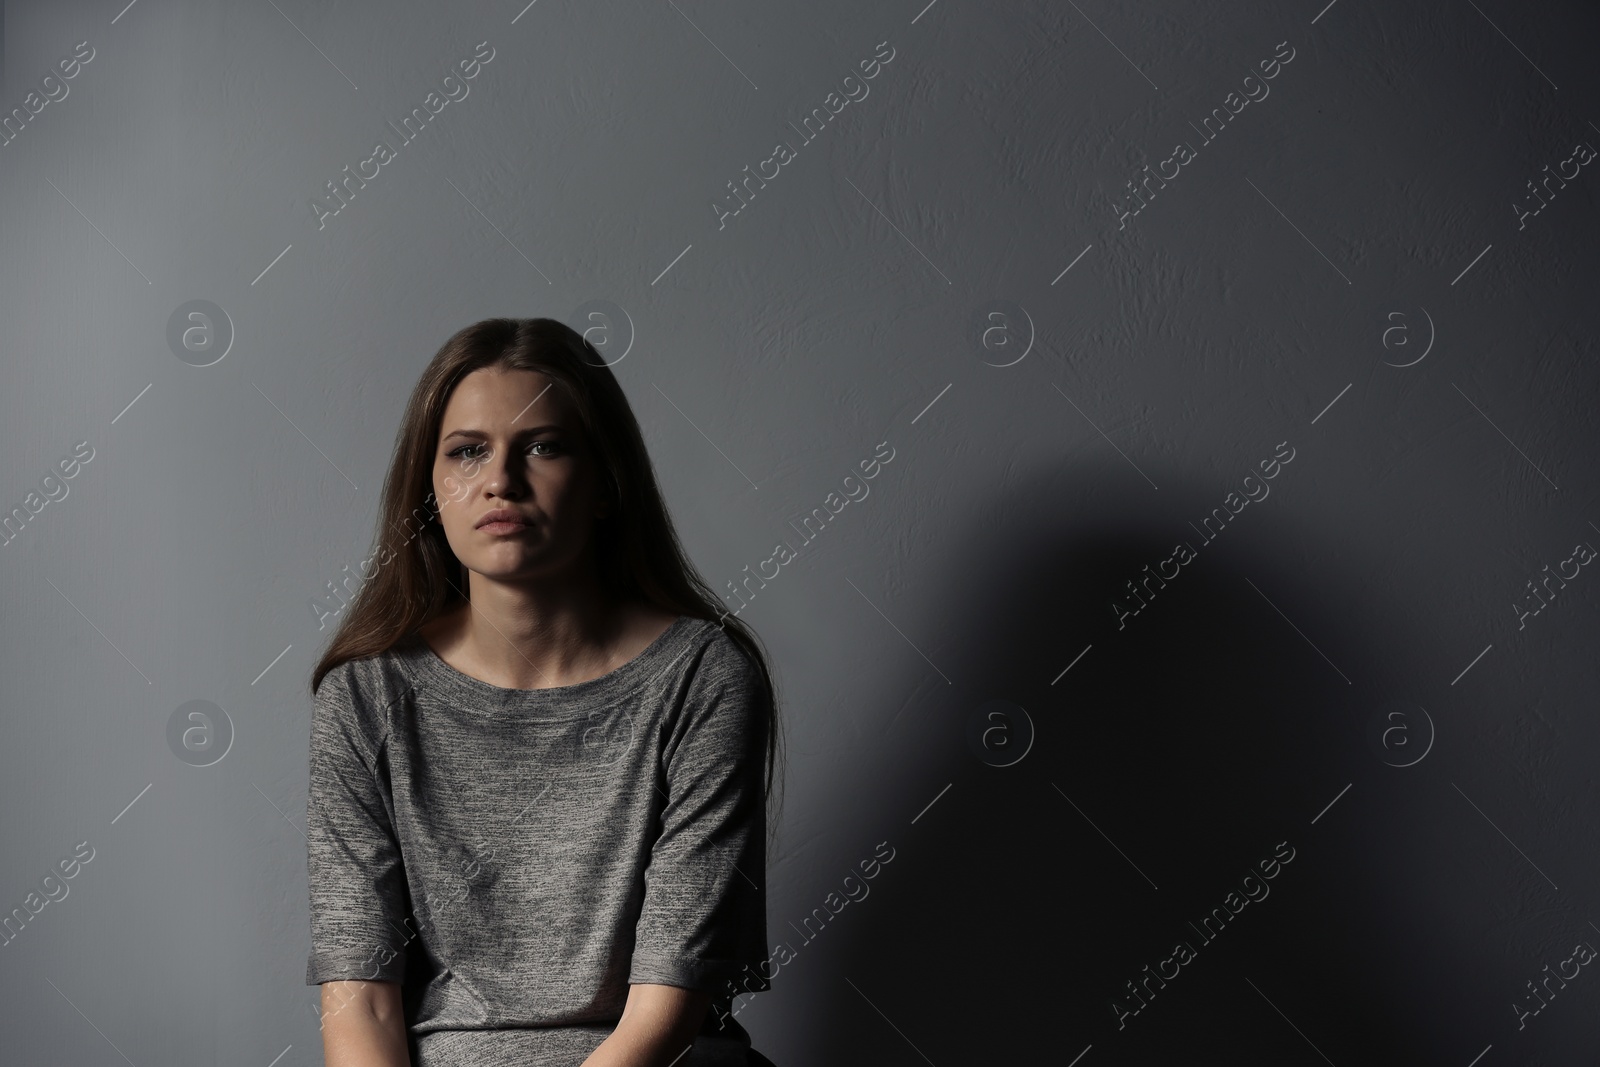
[{"x": 508, "y": 638}]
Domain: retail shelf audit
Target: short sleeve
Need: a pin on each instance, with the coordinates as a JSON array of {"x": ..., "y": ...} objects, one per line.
[
  {"x": 703, "y": 923},
  {"x": 353, "y": 864}
]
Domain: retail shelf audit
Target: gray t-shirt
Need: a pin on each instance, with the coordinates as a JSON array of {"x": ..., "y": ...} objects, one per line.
[{"x": 517, "y": 857}]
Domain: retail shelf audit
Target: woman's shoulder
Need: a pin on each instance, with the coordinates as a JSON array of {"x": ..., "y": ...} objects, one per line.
[
  {"x": 720, "y": 703},
  {"x": 721, "y": 651},
  {"x": 718, "y": 665},
  {"x": 362, "y": 690}
]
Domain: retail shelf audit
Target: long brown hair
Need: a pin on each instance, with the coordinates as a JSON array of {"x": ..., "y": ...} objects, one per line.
[{"x": 418, "y": 577}]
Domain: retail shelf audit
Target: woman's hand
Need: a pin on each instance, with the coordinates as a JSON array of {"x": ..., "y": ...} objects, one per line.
[{"x": 658, "y": 1024}]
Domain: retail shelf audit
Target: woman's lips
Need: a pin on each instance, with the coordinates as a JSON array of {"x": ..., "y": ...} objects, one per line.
[{"x": 503, "y": 527}]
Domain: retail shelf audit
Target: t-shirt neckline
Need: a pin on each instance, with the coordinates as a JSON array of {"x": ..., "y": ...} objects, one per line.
[{"x": 577, "y": 698}]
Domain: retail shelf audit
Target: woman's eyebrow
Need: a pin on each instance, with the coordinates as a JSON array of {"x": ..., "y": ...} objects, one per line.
[{"x": 530, "y": 431}]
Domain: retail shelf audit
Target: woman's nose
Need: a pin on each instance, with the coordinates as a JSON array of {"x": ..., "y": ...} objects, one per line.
[{"x": 503, "y": 474}]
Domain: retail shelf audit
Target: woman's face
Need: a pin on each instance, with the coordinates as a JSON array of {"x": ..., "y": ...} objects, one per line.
[{"x": 509, "y": 442}]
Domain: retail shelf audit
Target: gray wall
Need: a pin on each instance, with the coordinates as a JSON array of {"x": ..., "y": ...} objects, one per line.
[{"x": 1344, "y": 671}]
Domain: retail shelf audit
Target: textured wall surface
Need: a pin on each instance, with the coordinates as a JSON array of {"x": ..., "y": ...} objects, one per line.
[{"x": 1215, "y": 657}]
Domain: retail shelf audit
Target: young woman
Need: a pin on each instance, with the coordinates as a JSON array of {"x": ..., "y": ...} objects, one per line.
[{"x": 537, "y": 822}]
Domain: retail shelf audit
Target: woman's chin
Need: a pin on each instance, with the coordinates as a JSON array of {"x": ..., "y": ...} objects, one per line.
[{"x": 514, "y": 563}]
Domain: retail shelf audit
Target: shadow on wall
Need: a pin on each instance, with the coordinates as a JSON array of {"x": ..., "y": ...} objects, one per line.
[{"x": 1202, "y": 740}]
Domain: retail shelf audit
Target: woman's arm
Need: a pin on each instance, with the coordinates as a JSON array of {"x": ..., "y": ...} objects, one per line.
[
  {"x": 703, "y": 915},
  {"x": 363, "y": 1025},
  {"x": 658, "y": 1023}
]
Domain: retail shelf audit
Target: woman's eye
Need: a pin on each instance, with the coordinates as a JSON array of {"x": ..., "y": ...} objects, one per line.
[{"x": 462, "y": 451}]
